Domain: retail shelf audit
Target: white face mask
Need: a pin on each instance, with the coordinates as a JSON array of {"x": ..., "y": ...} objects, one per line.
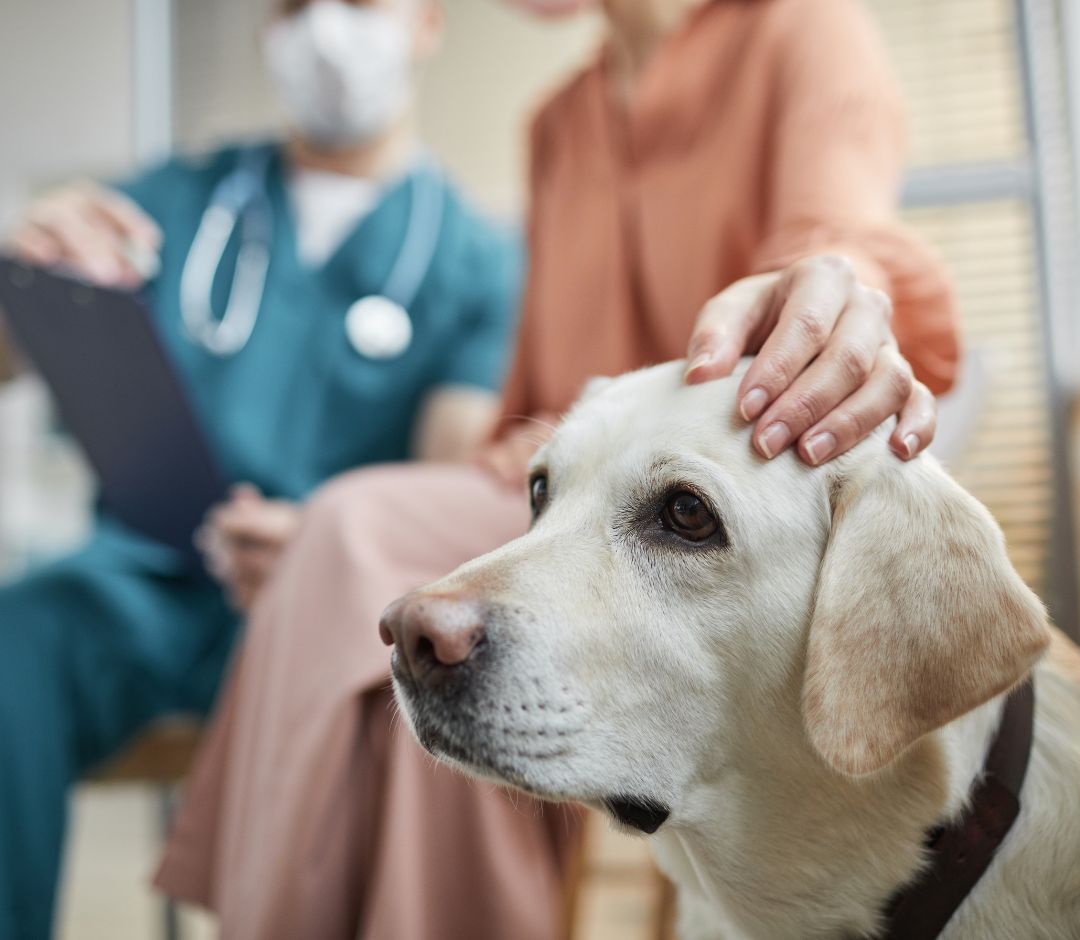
[{"x": 343, "y": 72}]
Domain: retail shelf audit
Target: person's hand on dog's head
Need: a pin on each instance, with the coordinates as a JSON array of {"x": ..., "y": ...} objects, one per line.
[{"x": 827, "y": 371}]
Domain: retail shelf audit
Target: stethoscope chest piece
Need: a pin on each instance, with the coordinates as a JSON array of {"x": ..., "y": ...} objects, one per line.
[{"x": 378, "y": 327}]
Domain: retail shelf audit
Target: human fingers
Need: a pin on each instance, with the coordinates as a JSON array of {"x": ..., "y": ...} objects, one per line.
[
  {"x": 232, "y": 522},
  {"x": 258, "y": 521},
  {"x": 883, "y": 394},
  {"x": 83, "y": 242},
  {"x": 725, "y": 325},
  {"x": 137, "y": 236},
  {"x": 841, "y": 368},
  {"x": 917, "y": 423},
  {"x": 253, "y": 561},
  {"x": 215, "y": 551},
  {"x": 34, "y": 246},
  {"x": 210, "y": 527},
  {"x": 125, "y": 216},
  {"x": 225, "y": 518},
  {"x": 814, "y": 294}
]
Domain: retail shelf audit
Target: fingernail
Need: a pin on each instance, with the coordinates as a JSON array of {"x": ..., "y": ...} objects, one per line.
[
  {"x": 699, "y": 362},
  {"x": 753, "y": 403},
  {"x": 820, "y": 447},
  {"x": 104, "y": 270},
  {"x": 774, "y": 438},
  {"x": 910, "y": 444}
]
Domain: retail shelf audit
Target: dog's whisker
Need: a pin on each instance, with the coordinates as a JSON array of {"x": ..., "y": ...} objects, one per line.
[
  {"x": 546, "y": 425},
  {"x": 535, "y": 440}
]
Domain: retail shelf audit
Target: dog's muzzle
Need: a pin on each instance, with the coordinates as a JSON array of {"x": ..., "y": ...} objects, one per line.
[
  {"x": 472, "y": 700},
  {"x": 465, "y": 696}
]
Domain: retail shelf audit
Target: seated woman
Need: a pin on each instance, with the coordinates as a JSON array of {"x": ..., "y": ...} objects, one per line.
[
  {"x": 98, "y": 645},
  {"x": 721, "y": 179}
]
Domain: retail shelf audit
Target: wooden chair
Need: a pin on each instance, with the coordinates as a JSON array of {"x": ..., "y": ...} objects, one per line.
[
  {"x": 614, "y": 891},
  {"x": 158, "y": 758}
]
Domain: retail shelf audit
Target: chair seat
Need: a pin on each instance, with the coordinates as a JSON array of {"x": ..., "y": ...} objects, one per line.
[{"x": 160, "y": 756}]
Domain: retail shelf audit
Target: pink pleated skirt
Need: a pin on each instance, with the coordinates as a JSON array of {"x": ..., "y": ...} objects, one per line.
[{"x": 311, "y": 812}]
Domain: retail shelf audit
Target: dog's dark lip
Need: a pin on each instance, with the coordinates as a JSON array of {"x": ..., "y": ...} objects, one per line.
[
  {"x": 445, "y": 742},
  {"x": 641, "y": 813}
]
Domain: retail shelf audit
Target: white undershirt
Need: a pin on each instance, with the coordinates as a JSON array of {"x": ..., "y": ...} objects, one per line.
[{"x": 327, "y": 207}]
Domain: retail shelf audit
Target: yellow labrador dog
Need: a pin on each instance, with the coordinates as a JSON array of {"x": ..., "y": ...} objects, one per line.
[{"x": 792, "y": 677}]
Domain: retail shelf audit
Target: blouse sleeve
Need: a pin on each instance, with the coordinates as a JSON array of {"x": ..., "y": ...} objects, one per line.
[
  {"x": 837, "y": 157},
  {"x": 518, "y": 400}
]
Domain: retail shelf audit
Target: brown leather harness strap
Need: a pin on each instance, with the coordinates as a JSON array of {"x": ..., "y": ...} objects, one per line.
[{"x": 962, "y": 851}]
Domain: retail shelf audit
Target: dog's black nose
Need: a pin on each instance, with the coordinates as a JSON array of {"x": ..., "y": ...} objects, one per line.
[{"x": 433, "y": 632}]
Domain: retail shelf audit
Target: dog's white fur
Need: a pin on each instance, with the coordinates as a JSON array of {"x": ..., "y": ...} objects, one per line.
[{"x": 808, "y": 701}]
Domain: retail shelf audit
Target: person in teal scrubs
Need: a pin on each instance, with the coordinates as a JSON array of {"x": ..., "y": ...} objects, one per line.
[{"x": 96, "y": 646}]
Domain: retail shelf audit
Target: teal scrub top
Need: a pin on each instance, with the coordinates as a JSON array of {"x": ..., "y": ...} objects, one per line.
[
  {"x": 295, "y": 406},
  {"x": 298, "y": 403}
]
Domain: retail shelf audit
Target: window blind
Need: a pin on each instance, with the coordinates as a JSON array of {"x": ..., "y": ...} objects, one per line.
[{"x": 960, "y": 65}]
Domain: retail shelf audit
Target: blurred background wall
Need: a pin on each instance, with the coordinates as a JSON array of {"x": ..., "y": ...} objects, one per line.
[
  {"x": 66, "y": 103},
  {"x": 66, "y": 93}
]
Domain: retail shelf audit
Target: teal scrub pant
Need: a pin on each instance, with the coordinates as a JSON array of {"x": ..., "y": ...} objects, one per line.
[{"x": 92, "y": 649}]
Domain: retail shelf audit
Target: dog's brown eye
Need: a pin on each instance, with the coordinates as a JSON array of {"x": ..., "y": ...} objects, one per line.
[
  {"x": 688, "y": 517},
  {"x": 538, "y": 493}
]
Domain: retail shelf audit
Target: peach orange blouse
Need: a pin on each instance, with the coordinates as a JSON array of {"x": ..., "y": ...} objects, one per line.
[{"x": 761, "y": 132}]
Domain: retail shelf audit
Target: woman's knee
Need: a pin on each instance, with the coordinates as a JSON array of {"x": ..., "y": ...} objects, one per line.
[
  {"x": 350, "y": 500},
  {"x": 374, "y": 501}
]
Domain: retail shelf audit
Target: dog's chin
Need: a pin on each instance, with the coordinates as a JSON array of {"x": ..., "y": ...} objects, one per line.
[
  {"x": 640, "y": 814},
  {"x": 465, "y": 747}
]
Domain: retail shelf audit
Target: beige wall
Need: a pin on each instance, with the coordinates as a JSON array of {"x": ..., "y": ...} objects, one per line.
[
  {"x": 65, "y": 92},
  {"x": 496, "y": 66},
  {"x": 65, "y": 110},
  {"x": 476, "y": 94},
  {"x": 66, "y": 102}
]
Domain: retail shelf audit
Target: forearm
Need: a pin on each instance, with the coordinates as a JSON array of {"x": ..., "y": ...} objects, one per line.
[{"x": 453, "y": 423}]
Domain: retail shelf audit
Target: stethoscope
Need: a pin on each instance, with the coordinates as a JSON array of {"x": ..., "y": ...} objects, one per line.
[{"x": 378, "y": 326}]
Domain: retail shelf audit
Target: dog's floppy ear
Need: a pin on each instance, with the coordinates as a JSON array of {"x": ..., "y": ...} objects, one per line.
[{"x": 919, "y": 615}]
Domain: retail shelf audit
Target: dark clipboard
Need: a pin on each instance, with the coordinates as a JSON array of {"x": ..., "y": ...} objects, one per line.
[{"x": 120, "y": 396}]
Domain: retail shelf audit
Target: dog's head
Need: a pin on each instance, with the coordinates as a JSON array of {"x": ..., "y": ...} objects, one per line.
[{"x": 679, "y": 603}]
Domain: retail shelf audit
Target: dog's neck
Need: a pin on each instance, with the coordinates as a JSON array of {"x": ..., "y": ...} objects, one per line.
[{"x": 780, "y": 846}]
